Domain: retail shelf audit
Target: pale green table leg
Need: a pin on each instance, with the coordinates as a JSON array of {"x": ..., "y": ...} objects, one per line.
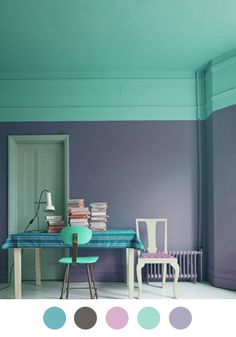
[
  {"x": 37, "y": 267},
  {"x": 130, "y": 275},
  {"x": 126, "y": 265},
  {"x": 17, "y": 272}
]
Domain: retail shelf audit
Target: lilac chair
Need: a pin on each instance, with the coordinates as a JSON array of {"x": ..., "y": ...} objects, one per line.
[{"x": 152, "y": 256}]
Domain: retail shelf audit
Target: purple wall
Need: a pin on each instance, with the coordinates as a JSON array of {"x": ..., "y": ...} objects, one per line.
[
  {"x": 143, "y": 169},
  {"x": 221, "y": 220}
]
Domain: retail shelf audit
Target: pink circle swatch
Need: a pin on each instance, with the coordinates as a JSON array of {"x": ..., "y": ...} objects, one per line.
[{"x": 117, "y": 318}]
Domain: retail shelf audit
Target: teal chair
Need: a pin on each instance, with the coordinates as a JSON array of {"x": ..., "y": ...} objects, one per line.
[{"x": 76, "y": 236}]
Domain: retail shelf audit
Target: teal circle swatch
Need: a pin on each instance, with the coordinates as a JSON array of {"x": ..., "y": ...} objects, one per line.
[
  {"x": 148, "y": 318},
  {"x": 54, "y": 318}
]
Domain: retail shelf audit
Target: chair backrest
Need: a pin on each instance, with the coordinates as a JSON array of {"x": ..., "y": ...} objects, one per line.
[
  {"x": 151, "y": 225},
  {"x": 84, "y": 234},
  {"x": 75, "y": 236}
]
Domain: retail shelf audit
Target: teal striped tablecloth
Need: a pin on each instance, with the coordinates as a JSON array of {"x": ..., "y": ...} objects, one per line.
[{"x": 117, "y": 238}]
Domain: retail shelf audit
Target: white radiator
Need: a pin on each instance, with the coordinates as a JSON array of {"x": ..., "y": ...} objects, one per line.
[{"x": 190, "y": 265}]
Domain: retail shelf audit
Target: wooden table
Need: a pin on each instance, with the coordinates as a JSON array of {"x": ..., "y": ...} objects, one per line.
[{"x": 111, "y": 239}]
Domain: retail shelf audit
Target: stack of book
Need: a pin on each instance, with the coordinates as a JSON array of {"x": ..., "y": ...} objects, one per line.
[
  {"x": 55, "y": 223},
  {"x": 99, "y": 216},
  {"x": 75, "y": 203},
  {"x": 77, "y": 212}
]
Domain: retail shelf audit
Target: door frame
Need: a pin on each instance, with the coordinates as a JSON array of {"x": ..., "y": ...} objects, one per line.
[{"x": 13, "y": 141}]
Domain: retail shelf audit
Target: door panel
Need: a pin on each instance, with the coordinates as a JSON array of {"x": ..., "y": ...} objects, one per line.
[{"x": 39, "y": 166}]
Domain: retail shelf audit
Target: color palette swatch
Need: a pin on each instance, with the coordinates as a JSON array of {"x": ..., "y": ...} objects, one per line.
[
  {"x": 85, "y": 318},
  {"x": 148, "y": 318},
  {"x": 123, "y": 318},
  {"x": 117, "y": 318},
  {"x": 54, "y": 318},
  {"x": 180, "y": 318}
]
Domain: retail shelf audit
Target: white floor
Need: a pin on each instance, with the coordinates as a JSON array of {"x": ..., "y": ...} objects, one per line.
[{"x": 185, "y": 290}]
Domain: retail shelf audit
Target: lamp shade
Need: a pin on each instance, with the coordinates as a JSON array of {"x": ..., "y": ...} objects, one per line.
[{"x": 49, "y": 206}]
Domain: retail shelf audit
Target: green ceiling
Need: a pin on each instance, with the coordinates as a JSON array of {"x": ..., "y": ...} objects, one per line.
[{"x": 38, "y": 36}]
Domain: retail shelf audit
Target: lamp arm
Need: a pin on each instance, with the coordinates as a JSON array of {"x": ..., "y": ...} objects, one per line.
[{"x": 37, "y": 211}]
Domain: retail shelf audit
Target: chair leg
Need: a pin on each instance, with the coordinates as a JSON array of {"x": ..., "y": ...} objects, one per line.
[
  {"x": 64, "y": 282},
  {"x": 147, "y": 273},
  {"x": 139, "y": 267},
  {"x": 93, "y": 281},
  {"x": 89, "y": 281},
  {"x": 176, "y": 269},
  {"x": 68, "y": 281},
  {"x": 164, "y": 267}
]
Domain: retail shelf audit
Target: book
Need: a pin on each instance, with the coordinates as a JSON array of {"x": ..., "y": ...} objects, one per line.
[
  {"x": 53, "y": 217},
  {"x": 79, "y": 225},
  {"x": 98, "y": 204},
  {"x": 76, "y": 202},
  {"x": 78, "y": 216},
  {"x": 56, "y": 223},
  {"x": 78, "y": 220},
  {"x": 98, "y": 228},
  {"x": 52, "y": 230},
  {"x": 55, "y": 226},
  {"x": 78, "y": 209},
  {"x": 98, "y": 225}
]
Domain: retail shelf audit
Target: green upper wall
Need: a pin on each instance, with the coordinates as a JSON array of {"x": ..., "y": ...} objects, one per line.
[
  {"x": 171, "y": 96},
  {"x": 115, "y": 59}
]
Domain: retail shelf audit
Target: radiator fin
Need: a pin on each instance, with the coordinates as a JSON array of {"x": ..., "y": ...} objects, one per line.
[{"x": 190, "y": 264}]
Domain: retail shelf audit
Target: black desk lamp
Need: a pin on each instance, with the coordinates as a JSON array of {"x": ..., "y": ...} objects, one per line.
[{"x": 49, "y": 207}]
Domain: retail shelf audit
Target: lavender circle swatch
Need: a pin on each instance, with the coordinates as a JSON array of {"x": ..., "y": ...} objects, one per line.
[
  {"x": 180, "y": 318},
  {"x": 117, "y": 318}
]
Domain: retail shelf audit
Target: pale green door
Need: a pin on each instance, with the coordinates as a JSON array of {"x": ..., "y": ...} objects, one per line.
[{"x": 39, "y": 165}]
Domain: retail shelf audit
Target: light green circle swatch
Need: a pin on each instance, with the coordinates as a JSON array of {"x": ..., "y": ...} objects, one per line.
[
  {"x": 54, "y": 318},
  {"x": 148, "y": 318}
]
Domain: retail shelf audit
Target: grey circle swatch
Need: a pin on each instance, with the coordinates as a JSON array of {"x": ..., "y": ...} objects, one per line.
[
  {"x": 180, "y": 318},
  {"x": 85, "y": 318}
]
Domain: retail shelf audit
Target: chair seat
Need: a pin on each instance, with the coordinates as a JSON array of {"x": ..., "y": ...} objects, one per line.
[
  {"x": 80, "y": 259},
  {"x": 157, "y": 255}
]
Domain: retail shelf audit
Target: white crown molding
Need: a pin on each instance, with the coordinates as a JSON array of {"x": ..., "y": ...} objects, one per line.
[
  {"x": 224, "y": 95},
  {"x": 99, "y": 75},
  {"x": 219, "y": 101},
  {"x": 53, "y": 113},
  {"x": 111, "y": 81},
  {"x": 223, "y": 99},
  {"x": 215, "y": 66}
]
